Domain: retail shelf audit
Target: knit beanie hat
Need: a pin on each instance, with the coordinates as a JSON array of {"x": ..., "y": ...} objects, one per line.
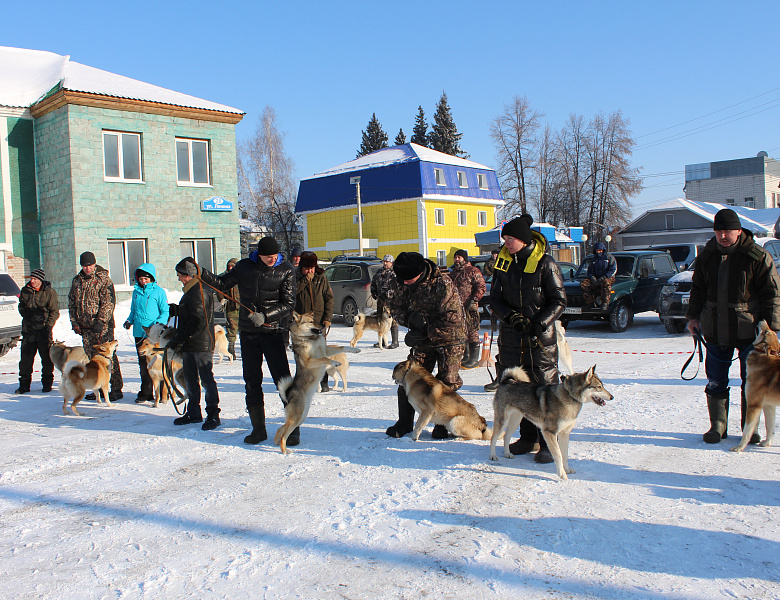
[
  {"x": 462, "y": 253},
  {"x": 308, "y": 260},
  {"x": 141, "y": 273},
  {"x": 187, "y": 266},
  {"x": 267, "y": 246},
  {"x": 388, "y": 258},
  {"x": 408, "y": 265},
  {"x": 520, "y": 228},
  {"x": 86, "y": 259},
  {"x": 726, "y": 219},
  {"x": 296, "y": 251},
  {"x": 38, "y": 274}
]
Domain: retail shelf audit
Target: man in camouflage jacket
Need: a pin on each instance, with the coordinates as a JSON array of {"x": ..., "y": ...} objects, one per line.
[
  {"x": 381, "y": 290},
  {"x": 91, "y": 303},
  {"x": 470, "y": 284},
  {"x": 426, "y": 302}
]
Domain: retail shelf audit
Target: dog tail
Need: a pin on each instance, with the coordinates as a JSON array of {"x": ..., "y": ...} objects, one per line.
[
  {"x": 283, "y": 386},
  {"x": 74, "y": 368},
  {"x": 359, "y": 318},
  {"x": 515, "y": 375}
]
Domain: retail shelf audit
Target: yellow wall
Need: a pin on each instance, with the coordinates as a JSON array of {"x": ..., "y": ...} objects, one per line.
[{"x": 452, "y": 231}]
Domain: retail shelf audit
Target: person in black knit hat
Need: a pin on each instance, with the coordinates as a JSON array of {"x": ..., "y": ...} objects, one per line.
[{"x": 40, "y": 308}]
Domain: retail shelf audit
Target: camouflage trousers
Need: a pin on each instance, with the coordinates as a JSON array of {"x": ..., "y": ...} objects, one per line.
[
  {"x": 232, "y": 325},
  {"x": 472, "y": 326},
  {"x": 601, "y": 290},
  {"x": 89, "y": 339},
  {"x": 447, "y": 360}
]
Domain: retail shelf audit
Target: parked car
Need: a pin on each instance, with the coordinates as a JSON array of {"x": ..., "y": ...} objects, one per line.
[
  {"x": 772, "y": 246},
  {"x": 342, "y": 257},
  {"x": 568, "y": 270},
  {"x": 683, "y": 255},
  {"x": 350, "y": 281},
  {"x": 638, "y": 282},
  {"x": 673, "y": 302},
  {"x": 10, "y": 319}
]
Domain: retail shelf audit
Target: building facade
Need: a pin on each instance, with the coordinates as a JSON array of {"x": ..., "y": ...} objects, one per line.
[{"x": 751, "y": 182}]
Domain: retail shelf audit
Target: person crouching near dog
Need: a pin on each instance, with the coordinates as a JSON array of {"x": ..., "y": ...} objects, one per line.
[
  {"x": 597, "y": 286},
  {"x": 40, "y": 309},
  {"x": 148, "y": 306},
  {"x": 527, "y": 297},
  {"x": 194, "y": 339},
  {"x": 314, "y": 296},
  {"x": 427, "y": 303},
  {"x": 266, "y": 284},
  {"x": 735, "y": 285}
]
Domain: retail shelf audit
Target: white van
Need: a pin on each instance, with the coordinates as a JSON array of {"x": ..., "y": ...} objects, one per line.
[{"x": 10, "y": 319}]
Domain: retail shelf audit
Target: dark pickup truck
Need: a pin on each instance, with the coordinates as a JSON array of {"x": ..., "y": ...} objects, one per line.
[{"x": 638, "y": 282}]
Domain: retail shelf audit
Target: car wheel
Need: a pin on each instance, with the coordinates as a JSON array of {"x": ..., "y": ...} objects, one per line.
[
  {"x": 564, "y": 322},
  {"x": 349, "y": 311},
  {"x": 621, "y": 317},
  {"x": 674, "y": 325}
]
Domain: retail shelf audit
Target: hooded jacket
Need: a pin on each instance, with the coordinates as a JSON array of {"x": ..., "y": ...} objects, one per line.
[
  {"x": 91, "y": 301},
  {"x": 604, "y": 265},
  {"x": 149, "y": 304},
  {"x": 314, "y": 296},
  {"x": 40, "y": 309}
]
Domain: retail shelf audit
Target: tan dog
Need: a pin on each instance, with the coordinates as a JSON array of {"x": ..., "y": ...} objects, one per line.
[
  {"x": 77, "y": 377},
  {"x": 154, "y": 365},
  {"x": 221, "y": 343},
  {"x": 61, "y": 354},
  {"x": 376, "y": 322},
  {"x": 312, "y": 357},
  {"x": 763, "y": 386},
  {"x": 437, "y": 402},
  {"x": 341, "y": 370}
]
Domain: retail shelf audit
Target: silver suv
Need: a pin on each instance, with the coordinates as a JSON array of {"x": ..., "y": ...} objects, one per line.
[
  {"x": 10, "y": 319},
  {"x": 350, "y": 281}
]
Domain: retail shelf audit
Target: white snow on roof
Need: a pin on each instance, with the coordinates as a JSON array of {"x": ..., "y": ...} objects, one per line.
[
  {"x": 27, "y": 75},
  {"x": 397, "y": 155}
]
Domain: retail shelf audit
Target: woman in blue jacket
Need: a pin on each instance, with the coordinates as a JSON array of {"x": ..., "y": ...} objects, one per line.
[{"x": 149, "y": 306}]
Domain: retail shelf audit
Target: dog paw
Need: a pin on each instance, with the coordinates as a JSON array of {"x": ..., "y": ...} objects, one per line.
[
  {"x": 563, "y": 477},
  {"x": 508, "y": 455},
  {"x": 570, "y": 470},
  {"x": 735, "y": 449},
  {"x": 765, "y": 443},
  {"x": 494, "y": 457}
]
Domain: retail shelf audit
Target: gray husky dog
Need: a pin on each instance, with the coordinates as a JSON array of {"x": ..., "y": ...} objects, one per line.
[{"x": 552, "y": 408}]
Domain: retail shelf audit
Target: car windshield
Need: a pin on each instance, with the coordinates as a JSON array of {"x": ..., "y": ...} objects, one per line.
[
  {"x": 625, "y": 267},
  {"x": 8, "y": 286}
]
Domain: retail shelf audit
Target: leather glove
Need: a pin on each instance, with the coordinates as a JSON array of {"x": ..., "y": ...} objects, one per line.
[
  {"x": 534, "y": 329},
  {"x": 77, "y": 330},
  {"x": 257, "y": 318},
  {"x": 417, "y": 320},
  {"x": 517, "y": 321},
  {"x": 127, "y": 325},
  {"x": 415, "y": 337},
  {"x": 593, "y": 281},
  {"x": 602, "y": 280},
  {"x": 468, "y": 305},
  {"x": 98, "y": 327}
]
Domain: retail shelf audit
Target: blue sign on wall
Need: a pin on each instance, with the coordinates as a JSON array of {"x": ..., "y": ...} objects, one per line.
[{"x": 216, "y": 203}]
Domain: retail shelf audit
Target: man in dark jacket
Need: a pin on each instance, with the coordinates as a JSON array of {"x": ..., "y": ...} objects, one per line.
[
  {"x": 597, "y": 286},
  {"x": 735, "y": 285},
  {"x": 194, "y": 339},
  {"x": 425, "y": 301},
  {"x": 527, "y": 297},
  {"x": 381, "y": 289},
  {"x": 266, "y": 284},
  {"x": 470, "y": 284},
  {"x": 40, "y": 309}
]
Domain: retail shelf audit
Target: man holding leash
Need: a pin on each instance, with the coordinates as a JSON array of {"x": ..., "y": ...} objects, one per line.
[
  {"x": 267, "y": 286},
  {"x": 40, "y": 309},
  {"x": 470, "y": 284},
  {"x": 381, "y": 289},
  {"x": 597, "y": 286},
  {"x": 425, "y": 301},
  {"x": 527, "y": 297},
  {"x": 735, "y": 285}
]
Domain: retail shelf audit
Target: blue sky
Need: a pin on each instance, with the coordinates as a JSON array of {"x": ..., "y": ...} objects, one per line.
[{"x": 325, "y": 67}]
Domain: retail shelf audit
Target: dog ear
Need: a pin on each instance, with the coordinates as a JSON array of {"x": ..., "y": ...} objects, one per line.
[{"x": 591, "y": 371}]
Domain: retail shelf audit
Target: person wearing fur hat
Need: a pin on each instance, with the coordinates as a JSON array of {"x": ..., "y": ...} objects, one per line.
[
  {"x": 148, "y": 306},
  {"x": 527, "y": 297},
  {"x": 470, "y": 284},
  {"x": 40, "y": 309},
  {"x": 381, "y": 289},
  {"x": 314, "y": 296},
  {"x": 427, "y": 303},
  {"x": 266, "y": 283},
  {"x": 735, "y": 285},
  {"x": 597, "y": 286}
]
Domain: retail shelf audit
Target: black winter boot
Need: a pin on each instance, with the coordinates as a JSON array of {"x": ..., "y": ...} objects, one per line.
[
  {"x": 473, "y": 360},
  {"x": 232, "y": 349},
  {"x": 543, "y": 455},
  {"x": 440, "y": 432},
  {"x": 324, "y": 387},
  {"x": 493, "y": 385},
  {"x": 466, "y": 356},
  {"x": 295, "y": 437},
  {"x": 405, "y": 422},
  {"x": 755, "y": 438},
  {"x": 528, "y": 441},
  {"x": 717, "y": 406},
  {"x": 394, "y": 336},
  {"x": 212, "y": 420},
  {"x": 257, "y": 417}
]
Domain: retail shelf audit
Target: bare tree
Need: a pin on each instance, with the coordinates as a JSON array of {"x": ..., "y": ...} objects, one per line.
[
  {"x": 515, "y": 136},
  {"x": 549, "y": 197},
  {"x": 266, "y": 182},
  {"x": 573, "y": 170}
]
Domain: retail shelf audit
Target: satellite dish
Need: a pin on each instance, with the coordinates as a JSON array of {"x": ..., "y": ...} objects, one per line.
[{"x": 762, "y": 154}]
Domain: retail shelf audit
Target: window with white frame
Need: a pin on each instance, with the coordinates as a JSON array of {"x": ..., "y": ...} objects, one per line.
[
  {"x": 122, "y": 156},
  {"x": 201, "y": 250},
  {"x": 462, "y": 218},
  {"x": 482, "y": 218},
  {"x": 482, "y": 181},
  {"x": 441, "y": 257},
  {"x": 730, "y": 201},
  {"x": 462, "y": 179},
  {"x": 124, "y": 257},
  {"x": 192, "y": 162},
  {"x": 750, "y": 202},
  {"x": 438, "y": 216},
  {"x": 439, "y": 174}
]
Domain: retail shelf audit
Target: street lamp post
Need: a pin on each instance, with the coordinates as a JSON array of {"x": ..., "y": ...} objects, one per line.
[{"x": 356, "y": 182}]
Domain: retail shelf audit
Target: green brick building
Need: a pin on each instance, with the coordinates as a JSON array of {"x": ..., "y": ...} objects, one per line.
[{"x": 132, "y": 172}]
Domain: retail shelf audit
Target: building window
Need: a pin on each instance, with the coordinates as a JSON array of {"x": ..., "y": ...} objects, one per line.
[
  {"x": 192, "y": 162},
  {"x": 201, "y": 250},
  {"x": 730, "y": 201},
  {"x": 124, "y": 257},
  {"x": 482, "y": 180},
  {"x": 122, "y": 156},
  {"x": 441, "y": 258},
  {"x": 750, "y": 203},
  {"x": 439, "y": 174},
  {"x": 462, "y": 179},
  {"x": 462, "y": 218},
  {"x": 670, "y": 221},
  {"x": 438, "y": 216},
  {"x": 362, "y": 218},
  {"x": 482, "y": 218}
]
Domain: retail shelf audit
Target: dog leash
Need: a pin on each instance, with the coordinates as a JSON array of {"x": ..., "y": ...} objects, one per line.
[{"x": 699, "y": 344}]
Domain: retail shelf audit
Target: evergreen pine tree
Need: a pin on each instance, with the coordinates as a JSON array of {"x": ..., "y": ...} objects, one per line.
[
  {"x": 374, "y": 138},
  {"x": 420, "y": 131},
  {"x": 444, "y": 135},
  {"x": 400, "y": 138}
]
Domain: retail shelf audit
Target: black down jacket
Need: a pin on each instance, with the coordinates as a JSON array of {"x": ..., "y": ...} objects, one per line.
[
  {"x": 195, "y": 314},
  {"x": 269, "y": 290}
]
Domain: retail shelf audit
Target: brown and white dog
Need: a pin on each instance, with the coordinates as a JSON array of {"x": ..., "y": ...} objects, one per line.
[
  {"x": 61, "y": 354},
  {"x": 77, "y": 377},
  {"x": 221, "y": 343},
  {"x": 381, "y": 323},
  {"x": 763, "y": 386},
  {"x": 154, "y": 365}
]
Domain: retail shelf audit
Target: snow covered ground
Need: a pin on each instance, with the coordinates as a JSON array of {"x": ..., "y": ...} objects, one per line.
[{"x": 122, "y": 504}]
